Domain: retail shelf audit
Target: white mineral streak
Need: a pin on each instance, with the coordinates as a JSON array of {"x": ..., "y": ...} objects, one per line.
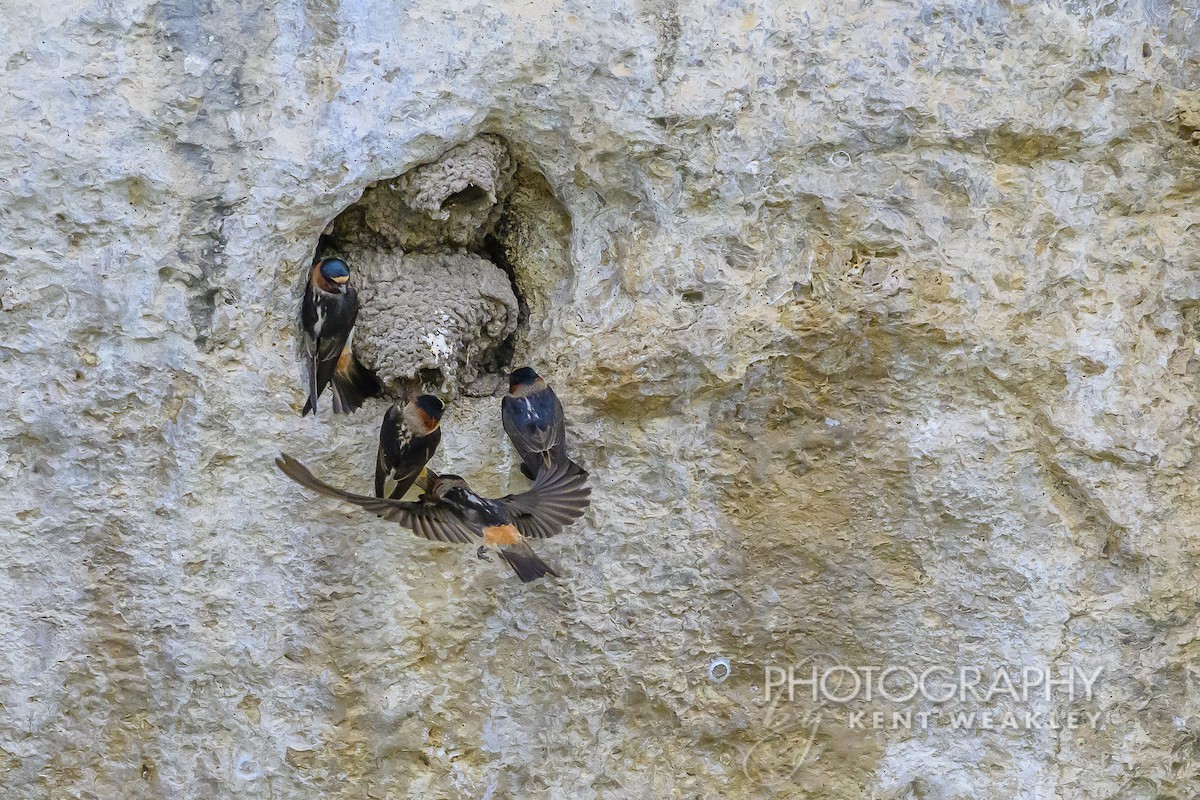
[{"x": 967, "y": 232}]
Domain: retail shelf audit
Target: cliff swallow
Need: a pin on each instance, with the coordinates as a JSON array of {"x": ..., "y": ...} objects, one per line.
[
  {"x": 448, "y": 511},
  {"x": 408, "y": 438},
  {"x": 327, "y": 317},
  {"x": 533, "y": 420}
]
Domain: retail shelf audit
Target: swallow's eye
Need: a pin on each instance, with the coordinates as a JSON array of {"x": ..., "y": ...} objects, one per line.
[{"x": 334, "y": 268}]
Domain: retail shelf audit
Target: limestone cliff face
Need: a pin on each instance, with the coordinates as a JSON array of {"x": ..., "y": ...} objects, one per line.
[{"x": 876, "y": 325}]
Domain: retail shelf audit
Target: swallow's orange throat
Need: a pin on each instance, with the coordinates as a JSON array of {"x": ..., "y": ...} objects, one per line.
[
  {"x": 501, "y": 534},
  {"x": 418, "y": 420},
  {"x": 430, "y": 423}
]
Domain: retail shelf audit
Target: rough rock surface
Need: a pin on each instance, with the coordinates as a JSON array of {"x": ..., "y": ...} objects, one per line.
[
  {"x": 878, "y": 335},
  {"x": 445, "y": 313},
  {"x": 453, "y": 202}
]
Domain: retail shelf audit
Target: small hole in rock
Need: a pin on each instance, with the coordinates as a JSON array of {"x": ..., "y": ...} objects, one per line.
[
  {"x": 472, "y": 195},
  {"x": 430, "y": 379},
  {"x": 693, "y": 297}
]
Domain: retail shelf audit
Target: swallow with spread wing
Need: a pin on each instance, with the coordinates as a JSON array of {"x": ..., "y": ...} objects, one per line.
[{"x": 448, "y": 511}]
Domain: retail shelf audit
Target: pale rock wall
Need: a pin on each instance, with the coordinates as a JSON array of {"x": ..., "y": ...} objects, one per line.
[{"x": 875, "y": 323}]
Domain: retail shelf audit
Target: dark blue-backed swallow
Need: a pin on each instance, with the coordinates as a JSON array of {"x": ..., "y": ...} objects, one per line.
[
  {"x": 327, "y": 317},
  {"x": 448, "y": 511},
  {"x": 533, "y": 420},
  {"x": 408, "y": 438}
]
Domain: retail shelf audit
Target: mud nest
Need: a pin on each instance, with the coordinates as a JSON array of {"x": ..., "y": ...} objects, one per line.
[
  {"x": 438, "y": 319},
  {"x": 435, "y": 254}
]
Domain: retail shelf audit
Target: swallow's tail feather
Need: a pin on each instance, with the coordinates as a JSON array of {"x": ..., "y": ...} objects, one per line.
[
  {"x": 353, "y": 384},
  {"x": 314, "y": 390},
  {"x": 534, "y": 463},
  {"x": 530, "y": 465},
  {"x": 525, "y": 562}
]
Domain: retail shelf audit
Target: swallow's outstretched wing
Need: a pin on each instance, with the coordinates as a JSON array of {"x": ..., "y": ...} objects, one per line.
[
  {"x": 557, "y": 498},
  {"x": 423, "y": 517}
]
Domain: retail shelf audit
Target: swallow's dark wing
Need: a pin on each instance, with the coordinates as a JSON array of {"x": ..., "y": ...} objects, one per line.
[
  {"x": 389, "y": 433},
  {"x": 381, "y": 470},
  {"x": 308, "y": 325},
  {"x": 329, "y": 319},
  {"x": 536, "y": 428},
  {"x": 557, "y": 498},
  {"x": 407, "y": 474},
  {"x": 424, "y": 517},
  {"x": 327, "y": 350}
]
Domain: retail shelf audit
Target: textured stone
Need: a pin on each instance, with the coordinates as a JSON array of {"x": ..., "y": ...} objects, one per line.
[
  {"x": 876, "y": 325},
  {"x": 453, "y": 202}
]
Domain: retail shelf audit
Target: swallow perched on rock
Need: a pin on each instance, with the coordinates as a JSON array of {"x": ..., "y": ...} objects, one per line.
[
  {"x": 448, "y": 511},
  {"x": 327, "y": 317},
  {"x": 408, "y": 438},
  {"x": 533, "y": 420}
]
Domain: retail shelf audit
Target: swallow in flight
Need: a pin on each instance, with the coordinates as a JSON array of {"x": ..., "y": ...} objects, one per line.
[{"x": 448, "y": 511}]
